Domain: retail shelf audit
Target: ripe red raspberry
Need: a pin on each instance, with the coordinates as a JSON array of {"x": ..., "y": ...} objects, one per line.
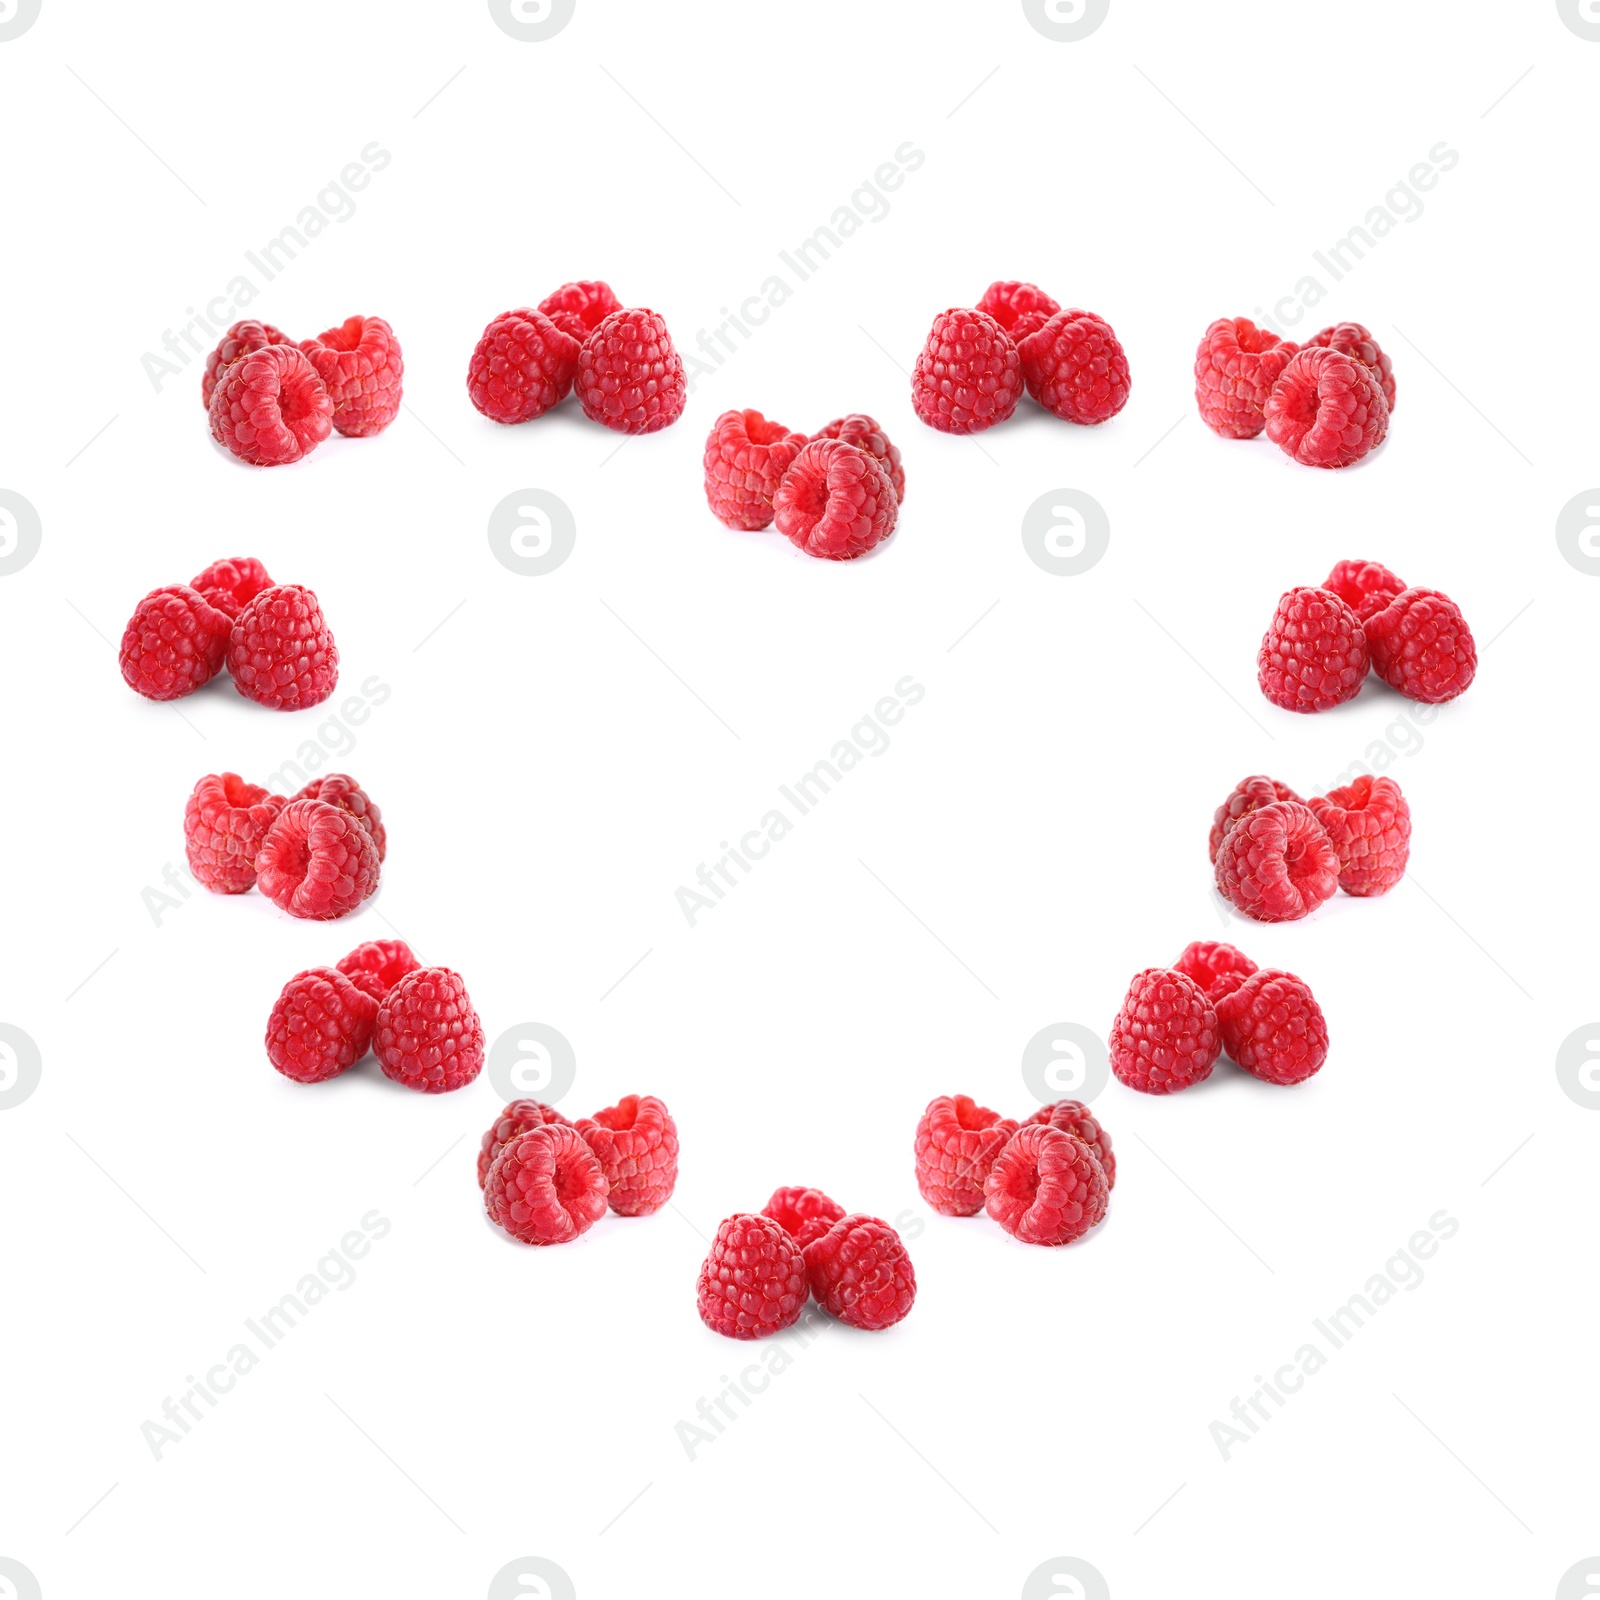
[
  {"x": 754, "y": 1280},
  {"x": 860, "y": 1273},
  {"x": 360, "y": 364},
  {"x": 316, "y": 861},
  {"x": 545, "y": 1186},
  {"x": 174, "y": 642},
  {"x": 231, "y": 585},
  {"x": 270, "y": 407},
  {"x": 1249, "y": 794},
  {"x": 223, "y": 826},
  {"x": 636, "y": 1143},
  {"x": 281, "y": 652},
  {"x": 1369, "y": 823},
  {"x": 1273, "y": 1027},
  {"x": 1277, "y": 864},
  {"x": 865, "y": 434},
  {"x": 340, "y": 789},
  {"x": 580, "y": 308},
  {"x": 1074, "y": 1117},
  {"x": 521, "y": 367},
  {"x": 239, "y": 340},
  {"x": 1235, "y": 369},
  {"x": 1365, "y": 586},
  {"x": 1314, "y": 653},
  {"x": 835, "y": 502},
  {"x": 1075, "y": 368},
  {"x": 320, "y": 1025},
  {"x": 378, "y": 965},
  {"x": 813, "y": 1229},
  {"x": 1010, "y": 303},
  {"x": 956, "y": 1143},
  {"x": 1048, "y": 1187},
  {"x": 428, "y": 1036},
  {"x": 793, "y": 1208},
  {"x": 1216, "y": 967},
  {"x": 518, "y": 1118},
  {"x": 629, "y": 375},
  {"x": 968, "y": 375},
  {"x": 1165, "y": 1037},
  {"x": 746, "y": 458},
  {"x": 1422, "y": 646},
  {"x": 1354, "y": 340},
  {"x": 1326, "y": 410}
]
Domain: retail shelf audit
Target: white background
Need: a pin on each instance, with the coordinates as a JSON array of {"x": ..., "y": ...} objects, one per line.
[{"x": 555, "y": 755}]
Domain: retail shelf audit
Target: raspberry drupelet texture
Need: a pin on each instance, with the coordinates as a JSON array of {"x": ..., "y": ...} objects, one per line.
[
  {"x": 320, "y": 1024},
  {"x": 859, "y": 1272},
  {"x": 836, "y": 501},
  {"x": 865, "y": 434},
  {"x": 378, "y": 965},
  {"x": 1422, "y": 647},
  {"x": 630, "y": 377},
  {"x": 1369, "y": 824},
  {"x": 1352, "y": 339},
  {"x": 794, "y": 1207},
  {"x": 1048, "y": 1187},
  {"x": 1365, "y": 586},
  {"x": 360, "y": 366},
  {"x": 270, "y": 408},
  {"x": 1327, "y": 409},
  {"x": 1277, "y": 864},
  {"x": 1075, "y": 367},
  {"x": 1249, "y": 794},
  {"x": 545, "y": 1186},
  {"x": 521, "y": 366},
  {"x": 636, "y": 1143},
  {"x": 239, "y": 340},
  {"x": 1235, "y": 369},
  {"x": 745, "y": 460},
  {"x": 1216, "y": 967},
  {"x": 281, "y": 651},
  {"x": 968, "y": 375},
  {"x": 1314, "y": 654},
  {"x": 231, "y": 585},
  {"x": 316, "y": 861},
  {"x": 1273, "y": 1027},
  {"x": 340, "y": 789},
  {"x": 518, "y": 1118},
  {"x": 1074, "y": 1117},
  {"x": 1165, "y": 1037},
  {"x": 754, "y": 1281},
  {"x": 1018, "y": 305},
  {"x": 956, "y": 1143},
  {"x": 428, "y": 1037},
  {"x": 175, "y": 641},
  {"x": 579, "y": 308},
  {"x": 224, "y": 824}
]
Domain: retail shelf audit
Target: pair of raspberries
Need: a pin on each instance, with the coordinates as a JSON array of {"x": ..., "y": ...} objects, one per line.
[
  {"x": 1277, "y": 858},
  {"x": 545, "y": 1180},
  {"x": 1322, "y": 642},
  {"x": 314, "y": 854},
  {"x": 834, "y": 495},
  {"x": 271, "y": 637},
  {"x": 763, "y": 1267},
  {"x": 1177, "y": 1020},
  {"x": 272, "y": 401},
  {"x": 1045, "y": 1181},
  {"x": 1326, "y": 403},
  {"x": 976, "y": 363},
  {"x": 620, "y": 361},
  {"x": 418, "y": 1021}
]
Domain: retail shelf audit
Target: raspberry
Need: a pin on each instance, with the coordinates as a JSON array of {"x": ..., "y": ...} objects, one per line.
[
  {"x": 1218, "y": 968},
  {"x": 270, "y": 407},
  {"x": 1075, "y": 368},
  {"x": 359, "y": 362},
  {"x": 1326, "y": 410},
  {"x": 545, "y": 1186},
  {"x": 956, "y": 1143},
  {"x": 341, "y": 790},
  {"x": 518, "y": 1118},
  {"x": 1234, "y": 371},
  {"x": 1314, "y": 653},
  {"x": 1047, "y": 1187},
  {"x": 223, "y": 826},
  {"x": 836, "y": 501},
  {"x": 1422, "y": 646},
  {"x": 231, "y": 585},
  {"x": 754, "y": 1280},
  {"x": 636, "y": 1143},
  {"x": 320, "y": 1025},
  {"x": 968, "y": 375},
  {"x": 793, "y": 1208},
  {"x": 1013, "y": 303},
  {"x": 1249, "y": 794},
  {"x": 580, "y": 308},
  {"x": 1165, "y": 1037},
  {"x": 174, "y": 642},
  {"x": 865, "y": 434},
  {"x": 746, "y": 458},
  {"x": 428, "y": 1036},
  {"x": 1353, "y": 340},
  {"x": 281, "y": 653},
  {"x": 1365, "y": 586},
  {"x": 1369, "y": 823},
  {"x": 860, "y": 1273},
  {"x": 813, "y": 1229},
  {"x": 629, "y": 375},
  {"x": 521, "y": 366},
  {"x": 1074, "y": 1117},
  {"x": 377, "y": 966},
  {"x": 239, "y": 340},
  {"x": 316, "y": 861},
  {"x": 1277, "y": 864},
  {"x": 1273, "y": 1027}
]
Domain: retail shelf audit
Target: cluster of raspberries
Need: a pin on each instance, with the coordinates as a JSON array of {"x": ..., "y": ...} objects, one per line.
[
  {"x": 272, "y": 638},
  {"x": 1177, "y": 1020},
  {"x": 313, "y": 854},
  {"x": 976, "y": 363},
  {"x": 1278, "y": 857},
  {"x": 546, "y": 1180},
  {"x": 764, "y": 1266},
  {"x": 272, "y": 401},
  {"x": 1326, "y": 403},
  {"x": 1322, "y": 642},
  {"x": 620, "y": 361},
  {"x": 418, "y": 1021},
  {"x": 1045, "y": 1181},
  {"x": 835, "y": 495}
]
